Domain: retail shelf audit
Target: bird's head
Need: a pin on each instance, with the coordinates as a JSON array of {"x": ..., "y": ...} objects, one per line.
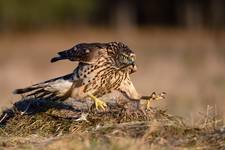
[{"x": 124, "y": 57}]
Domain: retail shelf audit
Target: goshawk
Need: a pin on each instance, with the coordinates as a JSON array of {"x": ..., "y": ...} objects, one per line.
[{"x": 102, "y": 68}]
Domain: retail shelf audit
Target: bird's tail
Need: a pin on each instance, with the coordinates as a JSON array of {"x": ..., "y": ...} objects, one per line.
[{"x": 54, "y": 89}]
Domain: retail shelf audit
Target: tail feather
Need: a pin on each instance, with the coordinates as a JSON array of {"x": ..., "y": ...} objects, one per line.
[
  {"x": 27, "y": 89},
  {"x": 36, "y": 92},
  {"x": 52, "y": 89},
  {"x": 43, "y": 94}
]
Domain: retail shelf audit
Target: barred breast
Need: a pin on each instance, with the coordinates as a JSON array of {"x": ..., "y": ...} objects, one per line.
[
  {"x": 105, "y": 80},
  {"x": 97, "y": 79}
]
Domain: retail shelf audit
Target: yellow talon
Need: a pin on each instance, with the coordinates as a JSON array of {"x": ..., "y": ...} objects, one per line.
[
  {"x": 155, "y": 96},
  {"x": 98, "y": 102}
]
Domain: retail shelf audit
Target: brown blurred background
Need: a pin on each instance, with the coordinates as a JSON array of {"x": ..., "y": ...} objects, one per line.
[{"x": 180, "y": 45}]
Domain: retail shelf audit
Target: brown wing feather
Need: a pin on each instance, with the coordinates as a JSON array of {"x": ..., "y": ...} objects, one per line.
[{"x": 84, "y": 52}]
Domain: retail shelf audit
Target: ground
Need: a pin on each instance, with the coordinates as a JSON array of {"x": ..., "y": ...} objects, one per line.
[{"x": 54, "y": 125}]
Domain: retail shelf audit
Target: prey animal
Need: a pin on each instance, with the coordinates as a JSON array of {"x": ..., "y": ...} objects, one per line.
[{"x": 102, "y": 68}]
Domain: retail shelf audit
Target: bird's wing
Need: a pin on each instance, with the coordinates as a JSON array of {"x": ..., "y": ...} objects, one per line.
[
  {"x": 84, "y": 52},
  {"x": 54, "y": 89}
]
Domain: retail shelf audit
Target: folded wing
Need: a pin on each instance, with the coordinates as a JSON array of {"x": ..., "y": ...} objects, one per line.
[{"x": 84, "y": 52}]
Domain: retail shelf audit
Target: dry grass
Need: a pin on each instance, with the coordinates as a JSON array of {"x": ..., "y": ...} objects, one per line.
[{"x": 53, "y": 125}]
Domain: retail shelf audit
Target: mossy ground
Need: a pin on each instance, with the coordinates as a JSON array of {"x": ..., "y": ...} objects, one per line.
[{"x": 53, "y": 125}]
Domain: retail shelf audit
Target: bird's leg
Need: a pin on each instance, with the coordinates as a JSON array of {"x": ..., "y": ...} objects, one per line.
[
  {"x": 98, "y": 103},
  {"x": 153, "y": 96}
]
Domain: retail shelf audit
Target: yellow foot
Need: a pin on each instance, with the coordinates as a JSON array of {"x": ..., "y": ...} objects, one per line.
[
  {"x": 155, "y": 96},
  {"x": 98, "y": 103}
]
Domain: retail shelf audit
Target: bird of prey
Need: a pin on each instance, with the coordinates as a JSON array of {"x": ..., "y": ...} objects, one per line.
[{"x": 102, "y": 68}]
